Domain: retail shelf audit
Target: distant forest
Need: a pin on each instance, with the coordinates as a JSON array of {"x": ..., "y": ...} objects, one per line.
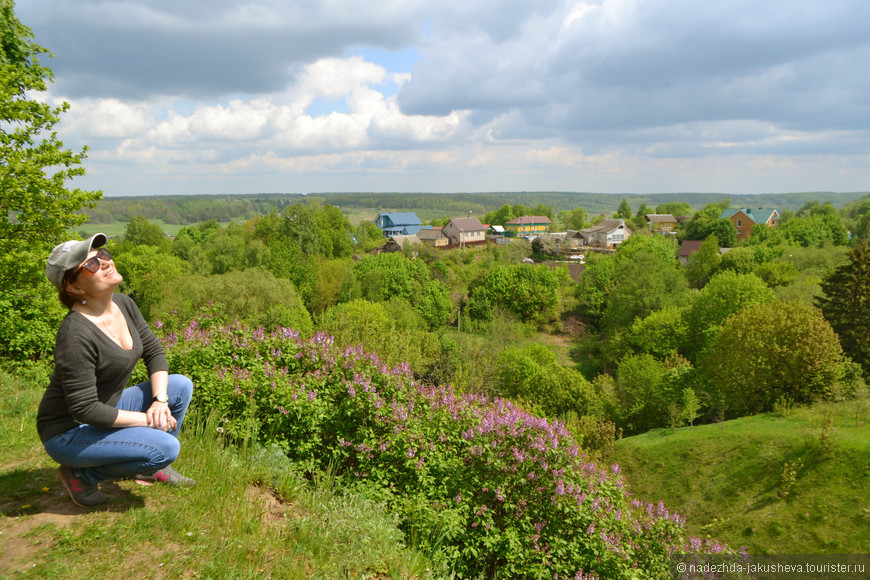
[{"x": 192, "y": 209}]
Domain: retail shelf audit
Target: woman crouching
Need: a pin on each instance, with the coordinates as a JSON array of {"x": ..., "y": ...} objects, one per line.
[{"x": 94, "y": 427}]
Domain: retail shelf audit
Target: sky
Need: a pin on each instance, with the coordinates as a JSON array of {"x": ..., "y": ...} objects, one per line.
[{"x": 613, "y": 96}]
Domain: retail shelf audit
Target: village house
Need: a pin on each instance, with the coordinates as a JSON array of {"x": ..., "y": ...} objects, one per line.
[
  {"x": 399, "y": 224},
  {"x": 687, "y": 248},
  {"x": 661, "y": 223},
  {"x": 529, "y": 224},
  {"x": 574, "y": 239},
  {"x": 465, "y": 231},
  {"x": 399, "y": 243},
  {"x": 608, "y": 234},
  {"x": 434, "y": 237},
  {"x": 745, "y": 218}
]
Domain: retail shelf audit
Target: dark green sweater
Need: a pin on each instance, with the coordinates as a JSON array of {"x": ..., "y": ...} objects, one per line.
[{"x": 91, "y": 371}]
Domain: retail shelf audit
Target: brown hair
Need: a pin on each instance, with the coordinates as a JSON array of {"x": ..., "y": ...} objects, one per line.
[{"x": 65, "y": 297}]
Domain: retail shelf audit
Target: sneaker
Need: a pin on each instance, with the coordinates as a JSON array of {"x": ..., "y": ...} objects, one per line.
[
  {"x": 82, "y": 493},
  {"x": 166, "y": 475}
]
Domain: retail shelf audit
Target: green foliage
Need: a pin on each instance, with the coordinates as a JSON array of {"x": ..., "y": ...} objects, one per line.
[
  {"x": 775, "y": 274},
  {"x": 815, "y": 230},
  {"x": 383, "y": 276},
  {"x": 662, "y": 246},
  {"x": 846, "y": 305},
  {"x": 532, "y": 374},
  {"x": 434, "y": 304},
  {"x": 253, "y": 296},
  {"x": 142, "y": 232},
  {"x": 575, "y": 219},
  {"x": 368, "y": 236},
  {"x": 333, "y": 283},
  {"x": 592, "y": 288},
  {"x": 703, "y": 263},
  {"x": 28, "y": 327},
  {"x": 147, "y": 271},
  {"x": 856, "y": 215},
  {"x": 675, "y": 208},
  {"x": 690, "y": 407},
  {"x": 642, "y": 284},
  {"x": 773, "y": 349},
  {"x": 789, "y": 477},
  {"x": 37, "y": 211},
  {"x": 707, "y": 222},
  {"x": 624, "y": 210},
  {"x": 393, "y": 330},
  {"x": 740, "y": 260},
  {"x": 229, "y": 249},
  {"x": 643, "y": 392},
  {"x": 661, "y": 333},
  {"x": 531, "y": 293},
  {"x": 726, "y": 294}
]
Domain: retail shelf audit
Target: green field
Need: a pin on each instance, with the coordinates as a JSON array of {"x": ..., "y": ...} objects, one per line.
[
  {"x": 116, "y": 229},
  {"x": 728, "y": 478}
]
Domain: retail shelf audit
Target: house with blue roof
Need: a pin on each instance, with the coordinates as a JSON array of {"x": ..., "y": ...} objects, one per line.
[
  {"x": 400, "y": 224},
  {"x": 744, "y": 218}
]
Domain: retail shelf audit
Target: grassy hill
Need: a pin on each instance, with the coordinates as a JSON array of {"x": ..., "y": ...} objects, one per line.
[{"x": 732, "y": 479}]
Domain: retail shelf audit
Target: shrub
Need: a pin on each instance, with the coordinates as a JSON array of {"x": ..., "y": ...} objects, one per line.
[
  {"x": 776, "y": 349},
  {"x": 484, "y": 486}
]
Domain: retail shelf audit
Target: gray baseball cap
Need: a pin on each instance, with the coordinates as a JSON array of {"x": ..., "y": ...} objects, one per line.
[{"x": 69, "y": 255}]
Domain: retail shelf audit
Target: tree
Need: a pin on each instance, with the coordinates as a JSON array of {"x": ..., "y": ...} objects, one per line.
[
  {"x": 691, "y": 406},
  {"x": 642, "y": 390},
  {"x": 846, "y": 305},
  {"x": 574, "y": 219},
  {"x": 147, "y": 271},
  {"x": 660, "y": 334},
  {"x": 703, "y": 263},
  {"x": 641, "y": 285},
  {"x": 140, "y": 231},
  {"x": 531, "y": 293},
  {"x": 726, "y": 293},
  {"x": 771, "y": 350},
  {"x": 534, "y": 375},
  {"x": 706, "y": 222},
  {"x": 815, "y": 229},
  {"x": 253, "y": 296},
  {"x": 624, "y": 210},
  {"x": 37, "y": 210},
  {"x": 675, "y": 208}
]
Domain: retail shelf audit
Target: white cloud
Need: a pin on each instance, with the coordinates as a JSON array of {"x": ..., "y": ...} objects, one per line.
[{"x": 556, "y": 94}]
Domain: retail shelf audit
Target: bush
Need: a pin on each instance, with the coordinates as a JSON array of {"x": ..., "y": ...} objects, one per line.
[
  {"x": 485, "y": 487},
  {"x": 255, "y": 297},
  {"x": 776, "y": 349}
]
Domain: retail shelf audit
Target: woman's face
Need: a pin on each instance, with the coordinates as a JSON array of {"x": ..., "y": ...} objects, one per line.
[{"x": 104, "y": 279}]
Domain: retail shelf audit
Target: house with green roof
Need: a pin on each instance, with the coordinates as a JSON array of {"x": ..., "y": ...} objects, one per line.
[{"x": 744, "y": 218}]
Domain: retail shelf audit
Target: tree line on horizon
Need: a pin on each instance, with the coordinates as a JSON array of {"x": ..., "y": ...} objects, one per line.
[{"x": 192, "y": 209}]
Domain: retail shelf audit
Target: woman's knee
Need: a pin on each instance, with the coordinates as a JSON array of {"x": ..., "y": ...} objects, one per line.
[
  {"x": 169, "y": 448},
  {"x": 180, "y": 386}
]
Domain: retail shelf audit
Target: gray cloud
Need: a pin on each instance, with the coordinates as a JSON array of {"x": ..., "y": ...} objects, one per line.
[
  {"x": 797, "y": 64},
  {"x": 197, "y": 50}
]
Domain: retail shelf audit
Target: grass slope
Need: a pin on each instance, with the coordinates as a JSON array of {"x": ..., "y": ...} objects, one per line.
[
  {"x": 729, "y": 478},
  {"x": 250, "y": 515}
]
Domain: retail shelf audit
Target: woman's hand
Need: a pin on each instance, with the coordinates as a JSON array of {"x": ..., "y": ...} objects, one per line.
[{"x": 160, "y": 417}]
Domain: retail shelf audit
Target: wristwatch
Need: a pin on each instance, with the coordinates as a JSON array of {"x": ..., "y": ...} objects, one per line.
[{"x": 162, "y": 398}]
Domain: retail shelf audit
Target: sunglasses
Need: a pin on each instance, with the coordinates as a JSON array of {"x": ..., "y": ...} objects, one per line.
[{"x": 92, "y": 264}]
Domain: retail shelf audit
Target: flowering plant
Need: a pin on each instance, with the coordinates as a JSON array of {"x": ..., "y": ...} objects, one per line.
[{"x": 485, "y": 485}]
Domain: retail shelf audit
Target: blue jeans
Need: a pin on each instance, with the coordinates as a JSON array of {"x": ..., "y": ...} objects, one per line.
[{"x": 97, "y": 454}]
